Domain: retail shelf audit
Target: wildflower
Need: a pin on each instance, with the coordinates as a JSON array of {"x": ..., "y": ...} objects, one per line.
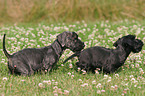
[
  {"x": 70, "y": 66},
  {"x": 40, "y": 85},
  {"x": 139, "y": 87},
  {"x": 80, "y": 80},
  {"x": 69, "y": 73},
  {"x": 56, "y": 83},
  {"x": 45, "y": 81},
  {"x": 97, "y": 70},
  {"x": 17, "y": 36},
  {"x": 22, "y": 80},
  {"x": 5, "y": 79},
  {"x": 66, "y": 92},
  {"x": 85, "y": 84},
  {"x": 59, "y": 91},
  {"x": 38, "y": 45},
  {"x": 72, "y": 76},
  {"x": 127, "y": 66},
  {"x": 143, "y": 51},
  {"x": 84, "y": 30},
  {"x": 62, "y": 65},
  {"x": 55, "y": 94},
  {"x": 102, "y": 90},
  {"x": 94, "y": 82},
  {"x": 84, "y": 71},
  {"x": 85, "y": 25},
  {"x": 136, "y": 65},
  {"x": 3, "y": 61},
  {"x": 98, "y": 92},
  {"x": 131, "y": 76},
  {"x": 116, "y": 87},
  {"x": 139, "y": 62},
  {"x": 124, "y": 91},
  {"x": 109, "y": 79},
  {"x": 133, "y": 80},
  {"x": 144, "y": 62},
  {"x": 55, "y": 87},
  {"x": 135, "y": 85},
  {"x": 55, "y": 91},
  {"x": 141, "y": 71},
  {"x": 49, "y": 82},
  {"x": 112, "y": 87},
  {"x": 132, "y": 66},
  {"x": 126, "y": 84},
  {"x": 79, "y": 68},
  {"x": 99, "y": 85},
  {"x": 67, "y": 29},
  {"x": 105, "y": 76},
  {"x": 116, "y": 75}
]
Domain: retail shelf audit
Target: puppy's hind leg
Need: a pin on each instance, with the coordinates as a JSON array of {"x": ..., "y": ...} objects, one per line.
[
  {"x": 23, "y": 70},
  {"x": 49, "y": 69},
  {"x": 18, "y": 67}
]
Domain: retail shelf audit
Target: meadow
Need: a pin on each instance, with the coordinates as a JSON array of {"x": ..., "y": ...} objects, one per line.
[
  {"x": 12, "y": 11},
  {"x": 66, "y": 79}
]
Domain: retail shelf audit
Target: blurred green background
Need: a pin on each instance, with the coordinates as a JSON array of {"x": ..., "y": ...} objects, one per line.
[{"x": 34, "y": 11}]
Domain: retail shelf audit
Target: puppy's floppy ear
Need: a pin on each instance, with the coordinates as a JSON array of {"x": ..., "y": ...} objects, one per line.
[
  {"x": 61, "y": 38},
  {"x": 74, "y": 34},
  {"x": 131, "y": 36},
  {"x": 117, "y": 42},
  {"x": 128, "y": 40}
]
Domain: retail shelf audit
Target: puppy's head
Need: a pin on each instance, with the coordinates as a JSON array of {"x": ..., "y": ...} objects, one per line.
[
  {"x": 129, "y": 41},
  {"x": 70, "y": 40}
]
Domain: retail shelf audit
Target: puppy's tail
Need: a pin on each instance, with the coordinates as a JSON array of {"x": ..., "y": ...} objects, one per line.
[
  {"x": 74, "y": 55},
  {"x": 4, "y": 48}
]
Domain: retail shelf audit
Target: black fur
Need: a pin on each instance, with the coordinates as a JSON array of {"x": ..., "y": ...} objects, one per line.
[
  {"x": 108, "y": 60},
  {"x": 29, "y": 60}
]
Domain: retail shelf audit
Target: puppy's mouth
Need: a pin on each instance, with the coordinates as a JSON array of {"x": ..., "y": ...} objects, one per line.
[
  {"x": 137, "y": 50},
  {"x": 77, "y": 49},
  {"x": 138, "y": 46}
]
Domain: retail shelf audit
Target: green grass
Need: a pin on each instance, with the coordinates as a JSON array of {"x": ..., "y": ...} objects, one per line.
[{"x": 127, "y": 80}]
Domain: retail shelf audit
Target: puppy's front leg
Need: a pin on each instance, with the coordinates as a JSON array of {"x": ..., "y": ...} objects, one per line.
[{"x": 49, "y": 69}]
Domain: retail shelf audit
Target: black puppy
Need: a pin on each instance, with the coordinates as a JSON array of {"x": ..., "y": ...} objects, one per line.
[
  {"x": 27, "y": 61},
  {"x": 108, "y": 60}
]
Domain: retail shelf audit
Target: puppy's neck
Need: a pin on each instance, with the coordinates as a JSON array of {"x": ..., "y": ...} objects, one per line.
[
  {"x": 123, "y": 52},
  {"x": 57, "y": 48}
]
